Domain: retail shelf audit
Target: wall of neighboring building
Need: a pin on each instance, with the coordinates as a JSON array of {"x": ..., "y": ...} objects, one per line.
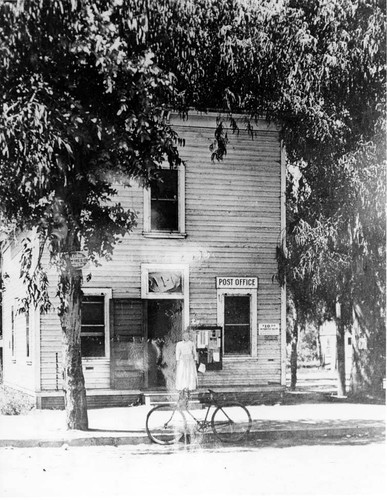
[
  {"x": 233, "y": 225},
  {"x": 20, "y": 330},
  {"x": 328, "y": 332}
]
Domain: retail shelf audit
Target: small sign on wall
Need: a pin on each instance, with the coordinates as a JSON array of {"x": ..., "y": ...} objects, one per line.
[
  {"x": 237, "y": 282},
  {"x": 268, "y": 329},
  {"x": 78, "y": 260}
]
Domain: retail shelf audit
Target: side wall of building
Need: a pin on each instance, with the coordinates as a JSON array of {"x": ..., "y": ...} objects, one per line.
[{"x": 20, "y": 330}]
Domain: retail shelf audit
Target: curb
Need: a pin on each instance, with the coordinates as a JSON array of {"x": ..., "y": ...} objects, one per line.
[
  {"x": 371, "y": 430},
  {"x": 87, "y": 441}
]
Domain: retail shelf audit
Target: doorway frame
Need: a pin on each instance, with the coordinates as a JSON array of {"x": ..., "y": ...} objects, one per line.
[
  {"x": 146, "y": 295},
  {"x": 184, "y": 295}
]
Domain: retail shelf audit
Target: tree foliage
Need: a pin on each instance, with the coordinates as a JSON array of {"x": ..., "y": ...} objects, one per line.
[
  {"x": 86, "y": 86},
  {"x": 80, "y": 109},
  {"x": 337, "y": 254},
  {"x": 315, "y": 67}
]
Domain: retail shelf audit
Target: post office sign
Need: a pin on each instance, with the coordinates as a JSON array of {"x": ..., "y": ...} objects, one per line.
[{"x": 237, "y": 282}]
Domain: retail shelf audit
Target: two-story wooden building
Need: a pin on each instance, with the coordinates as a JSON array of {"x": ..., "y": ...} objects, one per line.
[{"x": 203, "y": 255}]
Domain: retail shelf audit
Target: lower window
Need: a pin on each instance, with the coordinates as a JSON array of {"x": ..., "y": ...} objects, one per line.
[
  {"x": 237, "y": 324},
  {"x": 93, "y": 329}
]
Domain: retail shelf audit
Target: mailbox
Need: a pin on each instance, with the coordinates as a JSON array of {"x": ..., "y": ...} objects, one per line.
[{"x": 209, "y": 346}]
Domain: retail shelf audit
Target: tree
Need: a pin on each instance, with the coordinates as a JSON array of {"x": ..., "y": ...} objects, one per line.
[
  {"x": 86, "y": 86},
  {"x": 337, "y": 249},
  {"x": 80, "y": 109},
  {"x": 318, "y": 68}
]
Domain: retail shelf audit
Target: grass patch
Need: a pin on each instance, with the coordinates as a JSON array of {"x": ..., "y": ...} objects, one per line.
[{"x": 14, "y": 402}]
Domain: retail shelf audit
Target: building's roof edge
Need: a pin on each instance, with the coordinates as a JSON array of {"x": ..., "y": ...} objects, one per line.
[{"x": 194, "y": 117}]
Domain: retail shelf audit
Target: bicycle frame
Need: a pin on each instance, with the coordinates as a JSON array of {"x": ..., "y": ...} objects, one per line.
[{"x": 202, "y": 423}]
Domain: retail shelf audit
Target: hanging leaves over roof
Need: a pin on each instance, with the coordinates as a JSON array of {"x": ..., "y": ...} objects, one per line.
[{"x": 80, "y": 108}]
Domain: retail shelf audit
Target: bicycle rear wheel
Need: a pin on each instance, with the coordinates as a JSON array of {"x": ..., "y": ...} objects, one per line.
[
  {"x": 231, "y": 422},
  {"x": 165, "y": 424}
]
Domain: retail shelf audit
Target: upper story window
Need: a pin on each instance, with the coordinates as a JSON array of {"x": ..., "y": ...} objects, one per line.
[
  {"x": 164, "y": 201},
  {"x": 164, "y": 204}
]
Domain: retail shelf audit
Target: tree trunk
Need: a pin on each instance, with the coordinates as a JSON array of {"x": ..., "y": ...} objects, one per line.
[
  {"x": 340, "y": 356},
  {"x": 73, "y": 379},
  {"x": 293, "y": 356}
]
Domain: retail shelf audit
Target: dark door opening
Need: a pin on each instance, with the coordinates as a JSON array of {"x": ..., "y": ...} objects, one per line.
[{"x": 164, "y": 331}]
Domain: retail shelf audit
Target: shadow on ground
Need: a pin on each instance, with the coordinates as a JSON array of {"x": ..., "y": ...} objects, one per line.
[{"x": 253, "y": 443}]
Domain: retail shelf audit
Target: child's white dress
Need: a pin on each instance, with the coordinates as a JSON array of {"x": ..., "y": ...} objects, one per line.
[{"x": 186, "y": 376}]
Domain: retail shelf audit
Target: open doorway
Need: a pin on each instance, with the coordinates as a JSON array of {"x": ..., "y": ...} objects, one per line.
[{"x": 164, "y": 327}]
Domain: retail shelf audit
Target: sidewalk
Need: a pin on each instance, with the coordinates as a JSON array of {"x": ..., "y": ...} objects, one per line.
[{"x": 123, "y": 426}]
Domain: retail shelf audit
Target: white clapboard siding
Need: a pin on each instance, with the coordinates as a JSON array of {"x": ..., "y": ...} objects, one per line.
[
  {"x": 19, "y": 371},
  {"x": 233, "y": 224}
]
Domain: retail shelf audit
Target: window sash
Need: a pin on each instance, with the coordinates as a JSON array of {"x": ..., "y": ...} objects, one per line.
[
  {"x": 164, "y": 201},
  {"x": 12, "y": 332},
  {"x": 237, "y": 334},
  {"x": 164, "y": 208},
  {"x": 253, "y": 296},
  {"x": 95, "y": 323},
  {"x": 27, "y": 334}
]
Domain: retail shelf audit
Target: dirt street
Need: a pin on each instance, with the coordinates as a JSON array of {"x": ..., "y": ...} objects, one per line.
[{"x": 216, "y": 472}]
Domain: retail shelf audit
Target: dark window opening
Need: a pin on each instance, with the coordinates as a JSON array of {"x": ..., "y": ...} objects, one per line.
[
  {"x": 164, "y": 201},
  {"x": 93, "y": 326},
  {"x": 12, "y": 332},
  {"x": 237, "y": 324},
  {"x": 27, "y": 334}
]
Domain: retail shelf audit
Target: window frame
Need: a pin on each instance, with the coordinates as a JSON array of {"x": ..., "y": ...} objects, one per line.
[
  {"x": 157, "y": 233},
  {"x": 28, "y": 334},
  {"x": 13, "y": 334},
  {"x": 107, "y": 294},
  {"x": 252, "y": 293}
]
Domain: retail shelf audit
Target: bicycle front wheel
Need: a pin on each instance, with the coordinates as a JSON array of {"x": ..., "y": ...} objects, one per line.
[
  {"x": 231, "y": 422},
  {"x": 165, "y": 424}
]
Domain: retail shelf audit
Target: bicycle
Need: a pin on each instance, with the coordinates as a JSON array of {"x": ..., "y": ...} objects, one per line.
[{"x": 167, "y": 424}]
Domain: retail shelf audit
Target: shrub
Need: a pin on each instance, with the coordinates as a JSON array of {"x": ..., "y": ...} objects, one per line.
[{"x": 13, "y": 402}]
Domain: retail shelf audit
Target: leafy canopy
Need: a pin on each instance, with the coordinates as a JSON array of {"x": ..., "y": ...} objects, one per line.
[
  {"x": 86, "y": 86},
  {"x": 82, "y": 107}
]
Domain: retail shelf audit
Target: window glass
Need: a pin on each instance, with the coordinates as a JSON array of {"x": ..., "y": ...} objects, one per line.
[
  {"x": 92, "y": 347},
  {"x": 237, "y": 324},
  {"x": 165, "y": 282},
  {"x": 12, "y": 332},
  {"x": 93, "y": 310},
  {"x": 164, "y": 201},
  {"x": 93, "y": 326},
  {"x": 27, "y": 334}
]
